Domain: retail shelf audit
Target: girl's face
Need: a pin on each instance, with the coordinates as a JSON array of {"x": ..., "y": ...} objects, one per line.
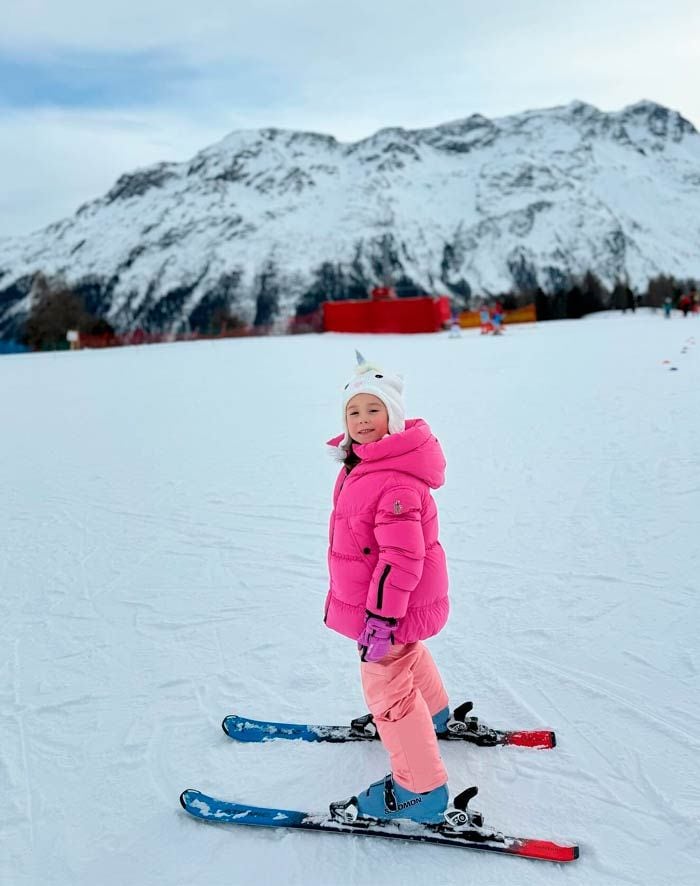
[{"x": 367, "y": 418}]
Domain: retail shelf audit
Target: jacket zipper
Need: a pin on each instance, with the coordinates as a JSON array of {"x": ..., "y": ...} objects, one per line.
[{"x": 380, "y": 589}]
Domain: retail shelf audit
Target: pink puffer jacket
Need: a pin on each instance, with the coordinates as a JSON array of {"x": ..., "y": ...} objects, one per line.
[{"x": 384, "y": 555}]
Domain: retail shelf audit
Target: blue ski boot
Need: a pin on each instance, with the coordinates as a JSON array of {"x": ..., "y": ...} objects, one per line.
[
  {"x": 387, "y": 800},
  {"x": 440, "y": 721}
]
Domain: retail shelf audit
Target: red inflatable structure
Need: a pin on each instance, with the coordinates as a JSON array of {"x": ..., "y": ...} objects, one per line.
[{"x": 384, "y": 312}]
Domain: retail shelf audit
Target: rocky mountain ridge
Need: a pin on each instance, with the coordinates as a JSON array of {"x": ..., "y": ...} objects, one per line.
[{"x": 266, "y": 221}]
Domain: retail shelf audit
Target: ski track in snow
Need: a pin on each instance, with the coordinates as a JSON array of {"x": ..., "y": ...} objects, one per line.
[{"x": 163, "y": 564}]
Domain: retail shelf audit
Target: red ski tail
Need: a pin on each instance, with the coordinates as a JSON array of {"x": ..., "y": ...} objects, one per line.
[
  {"x": 532, "y": 739},
  {"x": 545, "y": 850}
]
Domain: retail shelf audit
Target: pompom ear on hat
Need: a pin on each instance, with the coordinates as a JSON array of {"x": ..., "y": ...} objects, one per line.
[{"x": 387, "y": 387}]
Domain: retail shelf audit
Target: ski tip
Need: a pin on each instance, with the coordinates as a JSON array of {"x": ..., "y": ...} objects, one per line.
[
  {"x": 553, "y": 744},
  {"x": 224, "y": 724},
  {"x": 185, "y": 795}
]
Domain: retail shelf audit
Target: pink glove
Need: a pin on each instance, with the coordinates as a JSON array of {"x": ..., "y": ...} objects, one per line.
[{"x": 376, "y": 638}]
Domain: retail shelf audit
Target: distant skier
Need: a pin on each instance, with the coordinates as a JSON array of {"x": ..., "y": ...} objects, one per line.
[
  {"x": 685, "y": 304},
  {"x": 668, "y": 305},
  {"x": 388, "y": 588},
  {"x": 485, "y": 319},
  {"x": 497, "y": 318}
]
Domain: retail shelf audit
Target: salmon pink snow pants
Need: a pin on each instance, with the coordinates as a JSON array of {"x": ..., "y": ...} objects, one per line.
[{"x": 403, "y": 692}]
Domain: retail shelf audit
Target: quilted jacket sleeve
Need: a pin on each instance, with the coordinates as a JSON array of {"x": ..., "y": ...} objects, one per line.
[{"x": 399, "y": 533}]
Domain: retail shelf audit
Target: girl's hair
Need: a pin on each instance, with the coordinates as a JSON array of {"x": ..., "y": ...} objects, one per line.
[{"x": 351, "y": 459}]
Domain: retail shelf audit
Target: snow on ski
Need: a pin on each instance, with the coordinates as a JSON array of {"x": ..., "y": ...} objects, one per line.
[
  {"x": 216, "y": 811},
  {"x": 461, "y": 727}
]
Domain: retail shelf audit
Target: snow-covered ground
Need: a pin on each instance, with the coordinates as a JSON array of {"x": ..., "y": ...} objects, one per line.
[{"x": 162, "y": 563}]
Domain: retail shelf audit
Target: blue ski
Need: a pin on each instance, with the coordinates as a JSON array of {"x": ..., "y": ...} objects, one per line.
[
  {"x": 460, "y": 727},
  {"x": 222, "y": 812}
]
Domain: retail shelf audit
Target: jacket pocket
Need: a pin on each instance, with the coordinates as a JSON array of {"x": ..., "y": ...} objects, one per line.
[
  {"x": 362, "y": 536},
  {"x": 344, "y": 543}
]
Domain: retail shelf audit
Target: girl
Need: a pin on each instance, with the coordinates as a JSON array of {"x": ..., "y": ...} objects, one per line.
[{"x": 388, "y": 589}]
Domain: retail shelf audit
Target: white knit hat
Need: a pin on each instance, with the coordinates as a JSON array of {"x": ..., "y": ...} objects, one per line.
[{"x": 372, "y": 379}]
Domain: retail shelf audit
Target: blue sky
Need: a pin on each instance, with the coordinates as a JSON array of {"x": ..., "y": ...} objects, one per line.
[
  {"x": 74, "y": 78},
  {"x": 109, "y": 79},
  {"x": 89, "y": 91}
]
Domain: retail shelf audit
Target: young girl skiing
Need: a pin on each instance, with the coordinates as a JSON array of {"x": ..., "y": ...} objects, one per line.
[{"x": 388, "y": 589}]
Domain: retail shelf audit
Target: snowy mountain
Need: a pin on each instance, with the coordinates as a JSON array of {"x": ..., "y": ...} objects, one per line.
[{"x": 267, "y": 219}]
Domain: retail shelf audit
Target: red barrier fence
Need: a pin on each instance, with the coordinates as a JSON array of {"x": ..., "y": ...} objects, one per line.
[
  {"x": 423, "y": 314},
  {"x": 139, "y": 337}
]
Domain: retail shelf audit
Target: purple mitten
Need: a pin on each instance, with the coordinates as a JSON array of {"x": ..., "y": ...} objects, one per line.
[{"x": 376, "y": 638}]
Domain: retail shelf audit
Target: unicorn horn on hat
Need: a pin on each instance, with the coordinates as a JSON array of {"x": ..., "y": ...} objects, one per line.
[{"x": 365, "y": 365}]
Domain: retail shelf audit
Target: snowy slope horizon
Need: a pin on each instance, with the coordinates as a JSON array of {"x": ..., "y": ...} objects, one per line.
[{"x": 266, "y": 219}]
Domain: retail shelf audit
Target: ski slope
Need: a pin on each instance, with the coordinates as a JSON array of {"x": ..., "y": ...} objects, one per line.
[{"x": 162, "y": 563}]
